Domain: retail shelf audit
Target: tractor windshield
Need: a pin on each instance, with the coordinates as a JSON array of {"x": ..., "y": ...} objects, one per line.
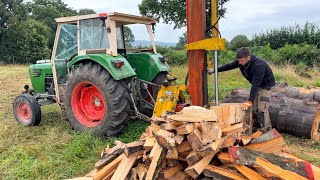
[{"x": 93, "y": 34}]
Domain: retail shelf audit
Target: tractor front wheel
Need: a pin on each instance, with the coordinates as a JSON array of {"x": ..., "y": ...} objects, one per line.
[
  {"x": 95, "y": 101},
  {"x": 27, "y": 110}
]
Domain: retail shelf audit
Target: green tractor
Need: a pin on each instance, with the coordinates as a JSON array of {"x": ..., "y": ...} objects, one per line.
[{"x": 98, "y": 82}]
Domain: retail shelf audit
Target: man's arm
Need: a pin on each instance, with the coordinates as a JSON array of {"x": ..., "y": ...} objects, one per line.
[
  {"x": 233, "y": 65},
  {"x": 258, "y": 74}
]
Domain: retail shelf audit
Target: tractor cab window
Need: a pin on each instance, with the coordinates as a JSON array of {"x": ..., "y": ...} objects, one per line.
[
  {"x": 67, "y": 47},
  {"x": 93, "y": 34}
]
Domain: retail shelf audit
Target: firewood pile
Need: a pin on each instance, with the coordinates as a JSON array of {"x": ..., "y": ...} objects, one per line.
[{"x": 198, "y": 144}]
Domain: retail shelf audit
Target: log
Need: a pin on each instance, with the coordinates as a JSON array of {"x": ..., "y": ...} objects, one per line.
[
  {"x": 288, "y": 115},
  {"x": 248, "y": 157},
  {"x": 108, "y": 168}
]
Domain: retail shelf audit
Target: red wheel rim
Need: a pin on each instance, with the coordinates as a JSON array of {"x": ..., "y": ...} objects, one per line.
[
  {"x": 88, "y": 104},
  {"x": 24, "y": 112}
]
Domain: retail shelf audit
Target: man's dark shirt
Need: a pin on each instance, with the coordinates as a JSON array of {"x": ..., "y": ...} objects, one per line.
[{"x": 257, "y": 72}]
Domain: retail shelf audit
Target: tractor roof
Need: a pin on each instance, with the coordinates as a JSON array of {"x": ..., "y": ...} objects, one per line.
[{"x": 120, "y": 18}]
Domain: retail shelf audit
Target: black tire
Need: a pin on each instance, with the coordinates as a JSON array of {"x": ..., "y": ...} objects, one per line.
[
  {"x": 27, "y": 110},
  {"x": 115, "y": 99}
]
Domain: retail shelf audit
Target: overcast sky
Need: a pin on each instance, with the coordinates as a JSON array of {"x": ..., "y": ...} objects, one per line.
[{"x": 243, "y": 16}]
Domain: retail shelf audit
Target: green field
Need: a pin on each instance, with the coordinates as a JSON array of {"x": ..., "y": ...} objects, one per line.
[{"x": 53, "y": 151}]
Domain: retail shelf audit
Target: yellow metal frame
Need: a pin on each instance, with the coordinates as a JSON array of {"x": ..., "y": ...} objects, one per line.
[
  {"x": 168, "y": 98},
  {"x": 211, "y": 44}
]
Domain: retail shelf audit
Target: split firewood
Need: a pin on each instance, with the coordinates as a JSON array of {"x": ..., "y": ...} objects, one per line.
[
  {"x": 249, "y": 173},
  {"x": 195, "y": 170},
  {"x": 195, "y": 139},
  {"x": 277, "y": 171},
  {"x": 180, "y": 175},
  {"x": 133, "y": 147},
  {"x": 218, "y": 172},
  {"x": 110, "y": 155},
  {"x": 141, "y": 171},
  {"x": 149, "y": 143},
  {"x": 245, "y": 156},
  {"x": 165, "y": 138},
  {"x": 108, "y": 168},
  {"x": 224, "y": 157},
  {"x": 194, "y": 114},
  {"x": 155, "y": 163},
  {"x": 192, "y": 158},
  {"x": 172, "y": 154},
  {"x": 236, "y": 128},
  {"x": 185, "y": 129},
  {"x": 210, "y": 132},
  {"x": 184, "y": 147},
  {"x": 179, "y": 139},
  {"x": 169, "y": 172},
  {"x": 124, "y": 167}
]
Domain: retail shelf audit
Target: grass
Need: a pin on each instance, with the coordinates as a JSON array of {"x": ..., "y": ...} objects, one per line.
[{"x": 53, "y": 151}]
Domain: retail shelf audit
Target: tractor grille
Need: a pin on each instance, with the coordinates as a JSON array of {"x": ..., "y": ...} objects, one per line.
[{"x": 36, "y": 72}]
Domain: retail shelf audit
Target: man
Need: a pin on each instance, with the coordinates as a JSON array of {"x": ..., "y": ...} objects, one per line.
[{"x": 260, "y": 75}]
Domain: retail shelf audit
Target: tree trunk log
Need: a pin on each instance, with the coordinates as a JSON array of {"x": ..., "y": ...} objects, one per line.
[{"x": 293, "y": 115}]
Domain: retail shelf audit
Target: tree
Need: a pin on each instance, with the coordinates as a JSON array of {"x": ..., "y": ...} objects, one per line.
[
  {"x": 128, "y": 36},
  {"x": 239, "y": 41},
  {"x": 174, "y": 12},
  {"x": 26, "y": 41},
  {"x": 11, "y": 9},
  {"x": 86, "y": 11},
  {"x": 182, "y": 41},
  {"x": 47, "y": 10}
]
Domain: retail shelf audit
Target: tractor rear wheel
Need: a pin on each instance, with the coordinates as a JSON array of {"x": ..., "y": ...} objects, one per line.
[
  {"x": 95, "y": 101},
  {"x": 27, "y": 110}
]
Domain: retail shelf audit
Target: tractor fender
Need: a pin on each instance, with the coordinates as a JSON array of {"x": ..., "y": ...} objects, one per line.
[
  {"x": 106, "y": 61},
  {"x": 147, "y": 65}
]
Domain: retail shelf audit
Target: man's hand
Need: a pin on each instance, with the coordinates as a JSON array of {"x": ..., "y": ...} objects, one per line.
[{"x": 245, "y": 106}]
